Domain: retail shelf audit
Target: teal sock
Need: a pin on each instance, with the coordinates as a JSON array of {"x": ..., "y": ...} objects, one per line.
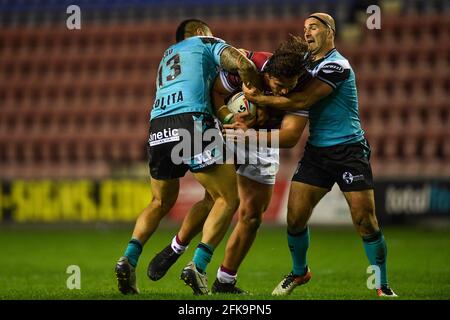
[
  {"x": 298, "y": 245},
  {"x": 376, "y": 251},
  {"x": 133, "y": 251},
  {"x": 202, "y": 256}
]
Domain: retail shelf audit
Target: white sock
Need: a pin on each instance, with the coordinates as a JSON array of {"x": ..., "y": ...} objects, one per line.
[
  {"x": 225, "y": 277},
  {"x": 178, "y": 248}
]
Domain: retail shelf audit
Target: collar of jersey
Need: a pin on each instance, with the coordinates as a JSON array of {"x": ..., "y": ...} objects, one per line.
[{"x": 329, "y": 53}]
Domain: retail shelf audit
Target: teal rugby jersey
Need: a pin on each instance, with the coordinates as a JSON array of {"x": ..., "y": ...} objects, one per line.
[
  {"x": 185, "y": 76},
  {"x": 335, "y": 119}
]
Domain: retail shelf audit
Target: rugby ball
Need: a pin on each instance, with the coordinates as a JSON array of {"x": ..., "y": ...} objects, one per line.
[{"x": 238, "y": 104}]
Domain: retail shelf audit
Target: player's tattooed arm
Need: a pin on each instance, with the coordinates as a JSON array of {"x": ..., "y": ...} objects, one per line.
[{"x": 233, "y": 60}]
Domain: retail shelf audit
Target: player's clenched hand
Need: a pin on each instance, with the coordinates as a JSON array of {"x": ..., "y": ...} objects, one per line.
[
  {"x": 253, "y": 94},
  {"x": 236, "y": 131},
  {"x": 241, "y": 117}
]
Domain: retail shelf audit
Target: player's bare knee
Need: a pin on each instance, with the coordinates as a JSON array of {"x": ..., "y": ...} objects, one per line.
[
  {"x": 162, "y": 204},
  {"x": 365, "y": 222},
  {"x": 253, "y": 207},
  {"x": 250, "y": 219},
  {"x": 229, "y": 202},
  {"x": 367, "y": 229},
  {"x": 252, "y": 224},
  {"x": 296, "y": 223},
  {"x": 297, "y": 218}
]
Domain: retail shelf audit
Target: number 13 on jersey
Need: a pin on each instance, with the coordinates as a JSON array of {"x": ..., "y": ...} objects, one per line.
[{"x": 173, "y": 64}]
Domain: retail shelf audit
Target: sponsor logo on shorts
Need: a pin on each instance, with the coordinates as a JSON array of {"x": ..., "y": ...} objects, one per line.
[
  {"x": 349, "y": 178},
  {"x": 205, "y": 158},
  {"x": 163, "y": 136}
]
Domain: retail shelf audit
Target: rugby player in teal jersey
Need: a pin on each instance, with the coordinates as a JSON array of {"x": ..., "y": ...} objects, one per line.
[
  {"x": 336, "y": 152},
  {"x": 281, "y": 73},
  {"x": 184, "y": 80}
]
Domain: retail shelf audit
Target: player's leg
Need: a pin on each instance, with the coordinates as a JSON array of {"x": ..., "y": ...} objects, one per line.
[
  {"x": 191, "y": 226},
  {"x": 220, "y": 183},
  {"x": 194, "y": 220},
  {"x": 362, "y": 208},
  {"x": 310, "y": 183},
  {"x": 354, "y": 176},
  {"x": 165, "y": 174},
  {"x": 165, "y": 193},
  {"x": 302, "y": 200},
  {"x": 254, "y": 200}
]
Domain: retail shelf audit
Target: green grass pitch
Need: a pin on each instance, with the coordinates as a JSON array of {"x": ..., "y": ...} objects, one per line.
[{"x": 34, "y": 262}]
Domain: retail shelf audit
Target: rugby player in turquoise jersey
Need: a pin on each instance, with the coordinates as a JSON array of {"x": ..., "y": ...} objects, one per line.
[
  {"x": 336, "y": 152},
  {"x": 281, "y": 72},
  {"x": 184, "y": 80}
]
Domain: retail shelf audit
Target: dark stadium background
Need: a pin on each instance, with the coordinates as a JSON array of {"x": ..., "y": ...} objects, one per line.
[{"x": 74, "y": 110}]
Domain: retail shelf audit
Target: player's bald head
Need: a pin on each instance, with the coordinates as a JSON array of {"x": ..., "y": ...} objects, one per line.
[
  {"x": 190, "y": 28},
  {"x": 325, "y": 19},
  {"x": 320, "y": 31}
]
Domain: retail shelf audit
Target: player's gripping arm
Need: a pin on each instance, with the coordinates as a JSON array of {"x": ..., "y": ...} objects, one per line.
[
  {"x": 290, "y": 132},
  {"x": 314, "y": 91},
  {"x": 233, "y": 60}
]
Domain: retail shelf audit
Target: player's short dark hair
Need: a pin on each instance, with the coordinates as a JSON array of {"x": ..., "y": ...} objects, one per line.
[
  {"x": 184, "y": 26},
  {"x": 290, "y": 59}
]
